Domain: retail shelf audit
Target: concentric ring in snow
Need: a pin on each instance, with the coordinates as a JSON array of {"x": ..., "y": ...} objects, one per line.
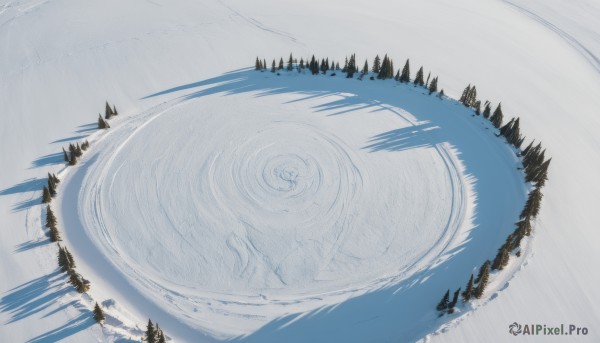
[{"x": 244, "y": 201}]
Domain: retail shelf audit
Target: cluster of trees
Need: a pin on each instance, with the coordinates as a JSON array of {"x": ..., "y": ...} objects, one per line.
[
  {"x": 75, "y": 151},
  {"x": 382, "y": 70},
  {"x": 535, "y": 167},
  {"x": 153, "y": 333},
  {"x": 49, "y": 192}
]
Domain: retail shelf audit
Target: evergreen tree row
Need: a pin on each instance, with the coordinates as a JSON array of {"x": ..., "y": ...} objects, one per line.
[
  {"x": 383, "y": 69},
  {"x": 153, "y": 333}
]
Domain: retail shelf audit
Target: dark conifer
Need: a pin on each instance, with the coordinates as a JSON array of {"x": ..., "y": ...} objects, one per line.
[
  {"x": 443, "y": 304},
  {"x": 397, "y": 77},
  {"x": 419, "y": 78},
  {"x": 65, "y": 156},
  {"x": 351, "y": 67},
  {"x": 427, "y": 82},
  {"x": 65, "y": 259},
  {"x": 483, "y": 278},
  {"x": 485, "y": 265},
  {"x": 108, "y": 112},
  {"x": 433, "y": 85},
  {"x": 487, "y": 110},
  {"x": 257, "y": 64},
  {"x": 81, "y": 285},
  {"x": 73, "y": 160},
  {"x": 301, "y": 63},
  {"x": 441, "y": 95},
  {"x": 264, "y": 64},
  {"x": 405, "y": 76},
  {"x": 497, "y": 117},
  {"x": 46, "y": 197},
  {"x": 102, "y": 124},
  {"x": 532, "y": 206},
  {"x": 507, "y": 128},
  {"x": 273, "y": 66},
  {"x": 51, "y": 188},
  {"x": 478, "y": 107},
  {"x": 501, "y": 259},
  {"x": 161, "y": 338},
  {"x": 465, "y": 94},
  {"x": 290, "y": 64},
  {"x": 56, "y": 179},
  {"x": 454, "y": 301},
  {"x": 376, "y": 65},
  {"x": 280, "y": 64},
  {"x": 50, "y": 217},
  {"x": 98, "y": 314},
  {"x": 468, "y": 292},
  {"x": 78, "y": 151},
  {"x": 115, "y": 112},
  {"x": 54, "y": 234},
  {"x": 365, "y": 69},
  {"x": 150, "y": 332}
]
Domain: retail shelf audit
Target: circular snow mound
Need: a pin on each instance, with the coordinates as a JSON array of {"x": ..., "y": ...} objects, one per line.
[{"x": 265, "y": 196}]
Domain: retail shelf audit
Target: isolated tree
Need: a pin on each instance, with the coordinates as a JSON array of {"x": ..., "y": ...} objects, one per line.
[
  {"x": 497, "y": 117},
  {"x": 433, "y": 85},
  {"x": 405, "y": 76},
  {"x": 280, "y": 67},
  {"x": 443, "y": 304},
  {"x": 102, "y": 124},
  {"x": 454, "y": 301},
  {"x": 468, "y": 292},
  {"x": 441, "y": 94},
  {"x": 46, "y": 197},
  {"x": 482, "y": 280},
  {"x": 419, "y": 78},
  {"x": 427, "y": 82},
  {"x": 150, "y": 332},
  {"x": 376, "y": 64},
  {"x": 502, "y": 257},
  {"x": 264, "y": 64},
  {"x": 301, "y": 66},
  {"x": 273, "y": 67},
  {"x": 65, "y": 156},
  {"x": 98, "y": 314},
  {"x": 50, "y": 217}
]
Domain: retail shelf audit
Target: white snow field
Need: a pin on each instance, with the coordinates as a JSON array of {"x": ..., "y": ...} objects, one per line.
[{"x": 226, "y": 203}]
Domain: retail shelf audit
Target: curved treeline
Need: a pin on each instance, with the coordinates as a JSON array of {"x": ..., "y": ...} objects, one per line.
[
  {"x": 66, "y": 262},
  {"x": 534, "y": 163}
]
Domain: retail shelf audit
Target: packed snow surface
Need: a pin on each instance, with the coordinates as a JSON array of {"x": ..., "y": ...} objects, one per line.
[{"x": 196, "y": 128}]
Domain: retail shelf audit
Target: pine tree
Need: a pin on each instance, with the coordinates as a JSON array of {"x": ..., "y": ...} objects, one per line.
[
  {"x": 73, "y": 160},
  {"x": 115, "y": 110},
  {"x": 443, "y": 304},
  {"x": 351, "y": 68},
  {"x": 108, "y": 112},
  {"x": 507, "y": 128},
  {"x": 51, "y": 188},
  {"x": 532, "y": 205},
  {"x": 497, "y": 117},
  {"x": 161, "y": 338},
  {"x": 56, "y": 179},
  {"x": 264, "y": 64},
  {"x": 502, "y": 257},
  {"x": 98, "y": 314},
  {"x": 454, "y": 301},
  {"x": 102, "y": 124},
  {"x": 150, "y": 332},
  {"x": 50, "y": 217},
  {"x": 486, "y": 264},
  {"x": 54, "y": 235},
  {"x": 487, "y": 110},
  {"x": 301, "y": 66},
  {"x": 257, "y": 64},
  {"x": 345, "y": 68},
  {"x": 65, "y": 156},
  {"x": 514, "y": 136},
  {"x": 433, "y": 85},
  {"x": 386, "y": 70},
  {"x": 273, "y": 68},
  {"x": 280, "y": 64},
  {"x": 365, "y": 69},
  {"x": 78, "y": 151},
  {"x": 441, "y": 95},
  {"x": 419, "y": 78},
  {"x": 376, "y": 65},
  {"x": 482, "y": 280},
  {"x": 477, "y": 107},
  {"x": 468, "y": 292},
  {"x": 405, "y": 76},
  {"x": 427, "y": 82},
  {"x": 80, "y": 284},
  {"x": 65, "y": 259},
  {"x": 46, "y": 197},
  {"x": 465, "y": 94},
  {"x": 290, "y": 64}
]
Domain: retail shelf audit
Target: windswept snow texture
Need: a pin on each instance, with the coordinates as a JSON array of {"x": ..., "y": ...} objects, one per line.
[
  {"x": 254, "y": 195},
  {"x": 175, "y": 68}
]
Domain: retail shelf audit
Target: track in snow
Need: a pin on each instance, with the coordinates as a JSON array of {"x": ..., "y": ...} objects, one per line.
[{"x": 258, "y": 196}]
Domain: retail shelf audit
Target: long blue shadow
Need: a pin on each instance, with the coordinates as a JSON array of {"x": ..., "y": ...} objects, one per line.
[{"x": 403, "y": 310}]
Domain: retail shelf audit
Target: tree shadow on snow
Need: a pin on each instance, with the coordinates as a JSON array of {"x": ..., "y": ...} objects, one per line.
[{"x": 404, "y": 309}]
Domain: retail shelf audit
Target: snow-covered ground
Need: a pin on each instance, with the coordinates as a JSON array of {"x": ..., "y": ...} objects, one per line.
[{"x": 192, "y": 118}]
